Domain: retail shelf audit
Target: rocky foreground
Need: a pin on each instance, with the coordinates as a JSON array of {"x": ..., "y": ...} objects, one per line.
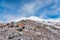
[{"x": 29, "y": 30}]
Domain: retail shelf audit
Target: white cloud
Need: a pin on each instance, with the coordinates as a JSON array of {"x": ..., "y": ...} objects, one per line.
[
  {"x": 32, "y": 7},
  {"x": 55, "y": 9},
  {"x": 1, "y": 21},
  {"x": 10, "y": 18}
]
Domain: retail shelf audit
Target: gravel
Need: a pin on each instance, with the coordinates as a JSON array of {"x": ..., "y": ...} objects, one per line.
[{"x": 30, "y": 32}]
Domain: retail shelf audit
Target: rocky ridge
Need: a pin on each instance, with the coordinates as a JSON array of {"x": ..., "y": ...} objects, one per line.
[{"x": 30, "y": 30}]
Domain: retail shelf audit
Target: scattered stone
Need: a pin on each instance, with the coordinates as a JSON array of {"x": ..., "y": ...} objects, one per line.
[
  {"x": 19, "y": 39},
  {"x": 23, "y": 27},
  {"x": 29, "y": 30},
  {"x": 10, "y": 37},
  {"x": 10, "y": 24},
  {"x": 19, "y": 29}
]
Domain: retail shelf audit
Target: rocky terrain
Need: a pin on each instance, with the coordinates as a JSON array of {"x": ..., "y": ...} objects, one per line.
[{"x": 30, "y": 30}]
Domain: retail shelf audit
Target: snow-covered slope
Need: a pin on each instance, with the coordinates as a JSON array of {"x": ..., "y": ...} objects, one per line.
[
  {"x": 38, "y": 19},
  {"x": 53, "y": 22},
  {"x": 45, "y": 21}
]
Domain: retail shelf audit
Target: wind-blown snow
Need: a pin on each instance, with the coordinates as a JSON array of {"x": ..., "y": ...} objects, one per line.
[
  {"x": 38, "y": 19},
  {"x": 46, "y": 20},
  {"x": 34, "y": 18}
]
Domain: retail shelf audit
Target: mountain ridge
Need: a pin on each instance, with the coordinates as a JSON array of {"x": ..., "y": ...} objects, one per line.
[{"x": 31, "y": 28}]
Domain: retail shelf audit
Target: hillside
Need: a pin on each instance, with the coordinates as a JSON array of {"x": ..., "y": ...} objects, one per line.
[{"x": 30, "y": 30}]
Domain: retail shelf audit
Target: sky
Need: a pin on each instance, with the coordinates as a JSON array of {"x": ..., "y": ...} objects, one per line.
[{"x": 11, "y": 10}]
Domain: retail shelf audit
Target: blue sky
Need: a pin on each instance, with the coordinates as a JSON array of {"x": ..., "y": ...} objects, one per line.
[{"x": 15, "y": 9}]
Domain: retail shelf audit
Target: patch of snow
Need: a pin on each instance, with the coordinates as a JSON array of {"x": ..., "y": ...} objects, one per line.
[
  {"x": 35, "y": 18},
  {"x": 46, "y": 20}
]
